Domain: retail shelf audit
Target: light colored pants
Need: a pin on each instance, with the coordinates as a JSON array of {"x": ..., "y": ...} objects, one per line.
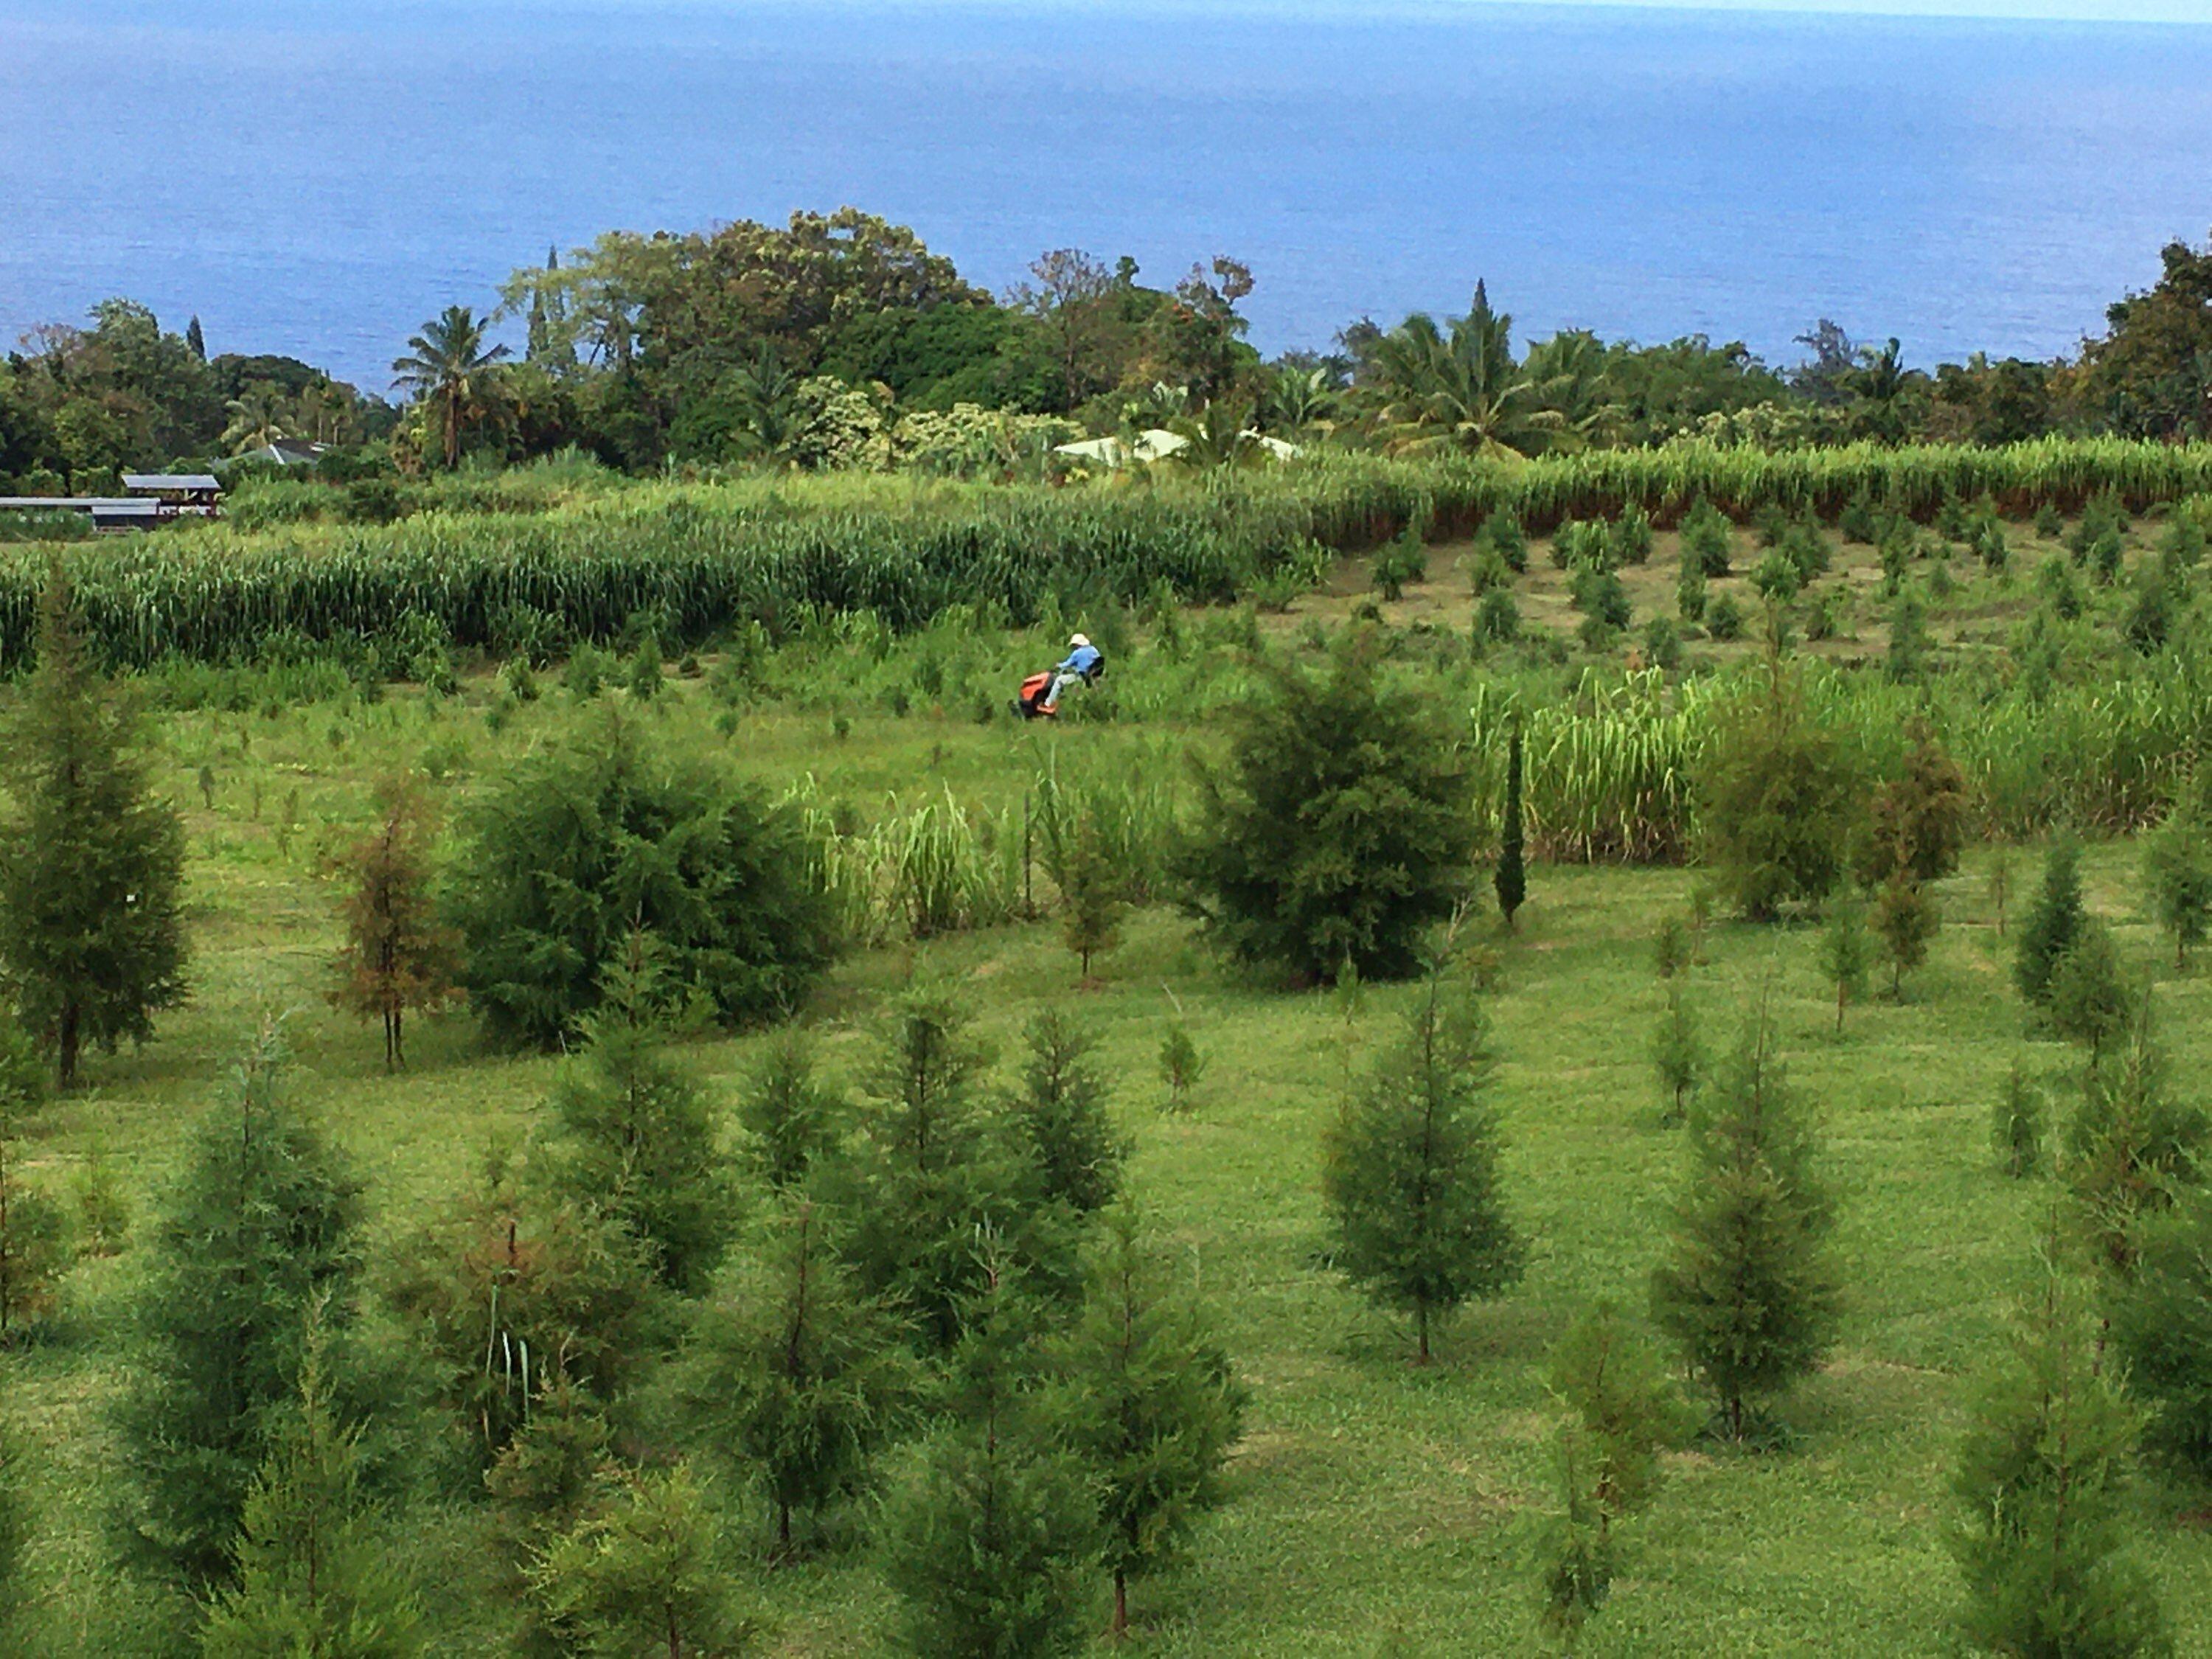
[{"x": 1059, "y": 683}]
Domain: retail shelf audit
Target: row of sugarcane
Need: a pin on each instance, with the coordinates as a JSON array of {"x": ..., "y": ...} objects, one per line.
[{"x": 701, "y": 559}]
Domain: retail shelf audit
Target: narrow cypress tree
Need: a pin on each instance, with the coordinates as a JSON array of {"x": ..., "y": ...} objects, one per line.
[
  {"x": 260, "y": 1226},
  {"x": 1845, "y": 950},
  {"x": 1575, "y": 1551},
  {"x": 91, "y": 864},
  {"x": 989, "y": 1538},
  {"x": 1511, "y": 877},
  {"x": 2088, "y": 1000},
  {"x": 2017, "y": 1127},
  {"x": 2052, "y": 924},
  {"x": 641, "y": 1573},
  {"x": 794, "y": 1121},
  {"x": 196, "y": 338},
  {"x": 798, "y": 1378},
  {"x": 1748, "y": 1286},
  {"x": 1410, "y": 1170},
  {"x": 2178, "y": 871},
  {"x": 1061, "y": 1114},
  {"x": 1677, "y": 1054},
  {"x": 1153, "y": 1408},
  {"x": 633, "y": 1136},
  {"x": 312, "y": 1575},
  {"x": 2042, "y": 1480},
  {"x": 1091, "y": 894},
  {"x": 1906, "y": 918},
  {"x": 2162, "y": 1326},
  {"x": 2131, "y": 1146}
]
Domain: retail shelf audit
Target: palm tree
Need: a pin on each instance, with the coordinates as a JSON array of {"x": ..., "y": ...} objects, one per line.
[
  {"x": 1572, "y": 378},
  {"x": 764, "y": 397},
  {"x": 257, "y": 419},
  {"x": 1463, "y": 390},
  {"x": 1219, "y": 434},
  {"x": 451, "y": 368},
  {"x": 1294, "y": 400}
]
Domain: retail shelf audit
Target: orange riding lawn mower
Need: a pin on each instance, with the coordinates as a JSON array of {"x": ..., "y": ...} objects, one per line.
[{"x": 1030, "y": 701}]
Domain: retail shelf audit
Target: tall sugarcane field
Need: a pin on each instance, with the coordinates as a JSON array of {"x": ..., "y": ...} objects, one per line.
[{"x": 1601, "y": 1052}]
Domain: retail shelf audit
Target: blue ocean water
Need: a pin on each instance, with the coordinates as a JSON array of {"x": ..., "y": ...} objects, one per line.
[{"x": 318, "y": 176}]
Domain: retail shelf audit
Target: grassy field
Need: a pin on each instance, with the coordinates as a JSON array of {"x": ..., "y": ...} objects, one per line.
[{"x": 1375, "y": 1507}]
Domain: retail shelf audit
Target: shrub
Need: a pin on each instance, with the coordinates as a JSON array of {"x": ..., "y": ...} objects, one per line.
[
  {"x": 1724, "y": 617},
  {"x": 1705, "y": 539},
  {"x": 1403, "y": 562},
  {"x": 1496, "y": 617},
  {"x": 578, "y": 848},
  {"x": 1338, "y": 829},
  {"x": 1663, "y": 644},
  {"x": 1501, "y": 533},
  {"x": 1598, "y": 592},
  {"x": 1631, "y": 536}
]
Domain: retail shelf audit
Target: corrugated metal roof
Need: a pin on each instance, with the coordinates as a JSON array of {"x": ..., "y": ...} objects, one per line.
[{"x": 171, "y": 481}]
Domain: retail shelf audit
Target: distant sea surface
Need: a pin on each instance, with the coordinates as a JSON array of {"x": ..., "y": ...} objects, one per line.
[{"x": 317, "y": 176}]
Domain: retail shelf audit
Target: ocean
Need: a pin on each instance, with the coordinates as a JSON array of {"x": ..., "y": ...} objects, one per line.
[{"x": 317, "y": 177}]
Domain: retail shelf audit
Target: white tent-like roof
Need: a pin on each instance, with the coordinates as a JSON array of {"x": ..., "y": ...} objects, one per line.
[{"x": 1153, "y": 444}]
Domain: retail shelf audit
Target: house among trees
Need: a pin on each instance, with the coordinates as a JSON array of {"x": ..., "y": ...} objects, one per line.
[{"x": 155, "y": 498}]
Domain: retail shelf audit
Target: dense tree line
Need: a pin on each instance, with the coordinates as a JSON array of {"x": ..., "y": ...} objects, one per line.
[{"x": 841, "y": 340}]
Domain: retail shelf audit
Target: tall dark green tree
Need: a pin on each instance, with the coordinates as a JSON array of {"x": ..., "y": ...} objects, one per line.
[
  {"x": 261, "y": 1225},
  {"x": 1410, "y": 1170},
  {"x": 1153, "y": 1408},
  {"x": 798, "y": 1378},
  {"x": 2162, "y": 1328},
  {"x": 1338, "y": 829},
  {"x": 2042, "y": 1482},
  {"x": 2053, "y": 922},
  {"x": 991, "y": 1536},
  {"x": 1747, "y": 1285},
  {"x": 634, "y": 1137},
  {"x": 1511, "y": 877},
  {"x": 1060, "y": 1115},
  {"x": 2131, "y": 1146},
  {"x": 313, "y": 1576},
  {"x": 91, "y": 862}
]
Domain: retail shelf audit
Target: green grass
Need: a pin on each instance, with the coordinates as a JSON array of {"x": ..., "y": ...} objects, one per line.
[{"x": 1370, "y": 1500}]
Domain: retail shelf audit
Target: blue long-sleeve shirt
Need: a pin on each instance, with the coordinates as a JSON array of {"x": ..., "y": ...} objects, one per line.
[{"x": 1081, "y": 660}]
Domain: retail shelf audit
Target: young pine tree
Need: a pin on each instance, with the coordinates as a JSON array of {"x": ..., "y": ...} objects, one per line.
[
  {"x": 1847, "y": 952},
  {"x": 1060, "y": 1115},
  {"x": 1774, "y": 799},
  {"x": 1574, "y": 1550},
  {"x": 2052, "y": 924},
  {"x": 1093, "y": 895},
  {"x": 1151, "y": 1409},
  {"x": 1410, "y": 1170},
  {"x": 1917, "y": 821},
  {"x": 798, "y": 1378},
  {"x": 398, "y": 955},
  {"x": 633, "y": 1136},
  {"x": 1677, "y": 1054},
  {"x": 1747, "y": 1285},
  {"x": 2016, "y": 1128},
  {"x": 2177, "y": 874},
  {"x": 641, "y": 1573},
  {"x": 1182, "y": 1063},
  {"x": 990, "y": 1537},
  {"x": 2088, "y": 1001},
  {"x": 2162, "y": 1328},
  {"x": 2042, "y": 1480},
  {"x": 542, "y": 1484},
  {"x": 794, "y": 1122},
  {"x": 312, "y": 1575},
  {"x": 1906, "y": 920},
  {"x": 1511, "y": 876},
  {"x": 91, "y": 863},
  {"x": 2131, "y": 1146},
  {"x": 260, "y": 1226},
  {"x": 1999, "y": 884},
  {"x": 34, "y": 1245}
]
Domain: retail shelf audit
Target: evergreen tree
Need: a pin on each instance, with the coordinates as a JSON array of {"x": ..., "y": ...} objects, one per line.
[
  {"x": 2177, "y": 871},
  {"x": 1847, "y": 952},
  {"x": 91, "y": 864},
  {"x": 544, "y": 1482},
  {"x": 1061, "y": 1114},
  {"x": 1670, "y": 947},
  {"x": 2089, "y": 1000},
  {"x": 1917, "y": 821},
  {"x": 1153, "y": 1408},
  {"x": 794, "y": 1121},
  {"x": 798, "y": 1378},
  {"x": 933, "y": 1171},
  {"x": 2042, "y": 1478},
  {"x": 1747, "y": 1285},
  {"x": 1906, "y": 918},
  {"x": 1339, "y": 831},
  {"x": 34, "y": 1245},
  {"x": 259, "y": 1227},
  {"x": 398, "y": 955},
  {"x": 1677, "y": 1054},
  {"x": 2053, "y": 923},
  {"x": 2162, "y": 1328},
  {"x": 2131, "y": 1146},
  {"x": 196, "y": 338},
  {"x": 312, "y": 1575},
  {"x": 1999, "y": 882},
  {"x": 641, "y": 1573},
  {"x": 1410, "y": 1170},
  {"x": 1511, "y": 876},
  {"x": 1774, "y": 800},
  {"x": 633, "y": 1136},
  {"x": 2017, "y": 1127},
  {"x": 989, "y": 1538},
  {"x": 1091, "y": 894},
  {"x": 1181, "y": 1062}
]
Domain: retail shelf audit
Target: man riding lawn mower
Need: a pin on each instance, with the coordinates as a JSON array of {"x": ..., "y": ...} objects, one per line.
[{"x": 1040, "y": 694}]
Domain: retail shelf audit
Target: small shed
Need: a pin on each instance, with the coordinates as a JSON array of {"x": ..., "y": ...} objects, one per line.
[{"x": 177, "y": 492}]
